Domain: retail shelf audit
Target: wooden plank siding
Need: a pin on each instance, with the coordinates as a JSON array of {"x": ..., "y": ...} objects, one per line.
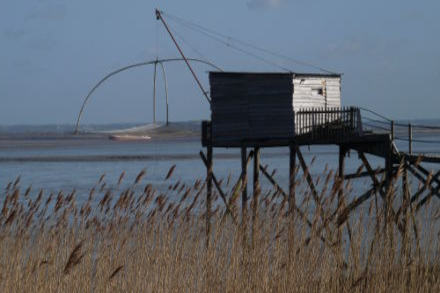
[
  {"x": 251, "y": 106},
  {"x": 262, "y": 106},
  {"x": 305, "y": 95}
]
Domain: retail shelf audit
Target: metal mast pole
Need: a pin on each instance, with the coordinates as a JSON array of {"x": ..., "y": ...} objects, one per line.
[{"x": 159, "y": 17}]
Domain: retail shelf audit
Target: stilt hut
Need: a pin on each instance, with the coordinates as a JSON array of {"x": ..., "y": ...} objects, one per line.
[{"x": 261, "y": 108}]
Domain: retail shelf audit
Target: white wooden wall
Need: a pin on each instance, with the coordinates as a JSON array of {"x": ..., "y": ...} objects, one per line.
[
  {"x": 305, "y": 92},
  {"x": 315, "y": 92}
]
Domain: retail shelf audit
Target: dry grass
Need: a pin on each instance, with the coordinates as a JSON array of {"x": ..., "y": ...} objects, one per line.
[{"x": 140, "y": 240}]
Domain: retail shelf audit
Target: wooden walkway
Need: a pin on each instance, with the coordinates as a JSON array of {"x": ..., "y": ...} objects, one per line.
[{"x": 341, "y": 127}]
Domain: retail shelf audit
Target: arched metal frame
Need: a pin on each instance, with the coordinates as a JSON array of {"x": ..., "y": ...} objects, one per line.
[{"x": 125, "y": 68}]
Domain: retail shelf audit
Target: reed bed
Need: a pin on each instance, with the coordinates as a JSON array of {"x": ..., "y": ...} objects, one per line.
[{"x": 137, "y": 239}]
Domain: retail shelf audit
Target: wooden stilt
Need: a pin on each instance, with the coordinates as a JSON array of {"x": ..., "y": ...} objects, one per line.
[
  {"x": 363, "y": 174},
  {"x": 292, "y": 201},
  {"x": 284, "y": 194},
  {"x": 342, "y": 152},
  {"x": 379, "y": 187},
  {"x": 339, "y": 248},
  {"x": 427, "y": 185},
  {"x": 405, "y": 208},
  {"x": 292, "y": 177},
  {"x": 208, "y": 193},
  {"x": 311, "y": 184},
  {"x": 434, "y": 178},
  {"x": 217, "y": 185},
  {"x": 343, "y": 215},
  {"x": 341, "y": 199},
  {"x": 300, "y": 213},
  {"x": 244, "y": 183},
  {"x": 256, "y": 191},
  {"x": 242, "y": 176},
  {"x": 308, "y": 176},
  {"x": 388, "y": 175}
]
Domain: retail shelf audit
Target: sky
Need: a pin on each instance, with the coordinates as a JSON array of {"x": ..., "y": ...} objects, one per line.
[{"x": 52, "y": 52}]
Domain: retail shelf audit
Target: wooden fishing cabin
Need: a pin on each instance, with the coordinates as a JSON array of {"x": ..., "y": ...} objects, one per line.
[{"x": 255, "y": 110}]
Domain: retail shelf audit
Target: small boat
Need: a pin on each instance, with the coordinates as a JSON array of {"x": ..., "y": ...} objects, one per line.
[{"x": 129, "y": 137}]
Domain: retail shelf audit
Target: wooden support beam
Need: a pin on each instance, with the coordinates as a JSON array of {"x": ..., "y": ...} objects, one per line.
[
  {"x": 208, "y": 193},
  {"x": 237, "y": 184},
  {"x": 256, "y": 191},
  {"x": 434, "y": 178},
  {"x": 244, "y": 182},
  {"x": 428, "y": 197},
  {"x": 342, "y": 153},
  {"x": 418, "y": 193},
  {"x": 312, "y": 188},
  {"x": 241, "y": 178},
  {"x": 284, "y": 194},
  {"x": 405, "y": 203},
  {"x": 292, "y": 178},
  {"x": 220, "y": 191},
  {"x": 297, "y": 209},
  {"x": 308, "y": 176},
  {"x": 363, "y": 174},
  {"x": 392, "y": 131},
  {"x": 341, "y": 198},
  {"x": 378, "y": 186},
  {"x": 427, "y": 183},
  {"x": 291, "y": 199},
  {"x": 343, "y": 216}
]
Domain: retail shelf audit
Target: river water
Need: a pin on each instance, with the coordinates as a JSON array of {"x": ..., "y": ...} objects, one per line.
[{"x": 56, "y": 163}]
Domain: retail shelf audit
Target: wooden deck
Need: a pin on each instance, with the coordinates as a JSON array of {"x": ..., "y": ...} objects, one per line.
[
  {"x": 343, "y": 128},
  {"x": 333, "y": 126}
]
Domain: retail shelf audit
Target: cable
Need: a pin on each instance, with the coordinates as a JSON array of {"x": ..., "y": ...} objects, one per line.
[
  {"x": 375, "y": 120},
  {"x": 181, "y": 38},
  {"x": 243, "y": 51},
  {"x": 419, "y": 126},
  {"x": 375, "y": 113},
  {"x": 375, "y": 126},
  {"x": 214, "y": 34},
  {"x": 418, "y": 140}
]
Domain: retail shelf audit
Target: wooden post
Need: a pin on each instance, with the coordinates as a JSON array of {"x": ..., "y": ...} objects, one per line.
[
  {"x": 292, "y": 176},
  {"x": 208, "y": 193},
  {"x": 405, "y": 205},
  {"x": 256, "y": 190},
  {"x": 392, "y": 131},
  {"x": 388, "y": 174},
  {"x": 244, "y": 183},
  {"x": 340, "y": 203},
  {"x": 291, "y": 199},
  {"x": 342, "y": 152},
  {"x": 154, "y": 92},
  {"x": 217, "y": 185},
  {"x": 410, "y": 138}
]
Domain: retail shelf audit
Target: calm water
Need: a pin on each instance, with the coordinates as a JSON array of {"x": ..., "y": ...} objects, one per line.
[{"x": 57, "y": 162}]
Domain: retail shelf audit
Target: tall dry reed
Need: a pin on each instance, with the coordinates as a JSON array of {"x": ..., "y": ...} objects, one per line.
[{"x": 139, "y": 239}]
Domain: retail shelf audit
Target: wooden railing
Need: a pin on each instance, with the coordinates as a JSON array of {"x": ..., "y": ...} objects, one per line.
[{"x": 328, "y": 122}]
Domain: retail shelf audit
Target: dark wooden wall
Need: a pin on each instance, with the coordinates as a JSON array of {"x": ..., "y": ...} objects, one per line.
[{"x": 251, "y": 106}]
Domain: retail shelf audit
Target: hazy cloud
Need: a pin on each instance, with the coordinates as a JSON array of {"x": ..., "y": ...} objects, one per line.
[
  {"x": 261, "y": 4},
  {"x": 366, "y": 45},
  {"x": 14, "y": 34},
  {"x": 41, "y": 43},
  {"x": 413, "y": 16},
  {"x": 50, "y": 12}
]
